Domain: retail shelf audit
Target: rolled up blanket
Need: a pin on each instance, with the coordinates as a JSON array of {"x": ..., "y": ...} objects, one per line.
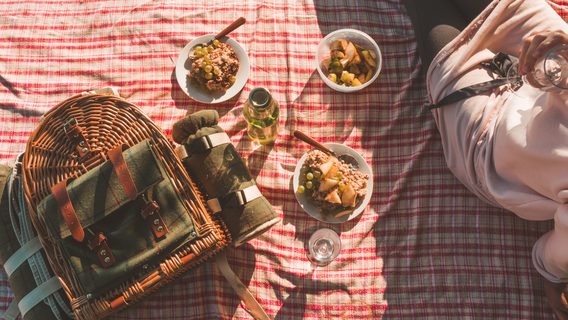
[
  {"x": 23, "y": 277},
  {"x": 209, "y": 155}
]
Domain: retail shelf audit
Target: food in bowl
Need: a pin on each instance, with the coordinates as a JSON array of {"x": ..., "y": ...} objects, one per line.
[
  {"x": 349, "y": 64},
  {"x": 213, "y": 66},
  {"x": 335, "y": 186}
]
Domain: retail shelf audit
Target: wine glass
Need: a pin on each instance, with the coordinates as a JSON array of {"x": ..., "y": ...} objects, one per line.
[
  {"x": 323, "y": 246},
  {"x": 550, "y": 72}
]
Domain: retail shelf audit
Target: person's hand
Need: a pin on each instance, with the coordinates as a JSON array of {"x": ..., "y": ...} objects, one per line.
[
  {"x": 553, "y": 292},
  {"x": 536, "y": 46}
]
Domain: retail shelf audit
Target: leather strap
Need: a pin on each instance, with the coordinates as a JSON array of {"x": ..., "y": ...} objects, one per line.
[
  {"x": 75, "y": 135},
  {"x": 122, "y": 172},
  {"x": 151, "y": 210},
  {"x": 202, "y": 144},
  {"x": 59, "y": 192},
  {"x": 151, "y": 214},
  {"x": 37, "y": 295},
  {"x": 253, "y": 307},
  {"x": 500, "y": 66},
  {"x": 473, "y": 90},
  {"x": 98, "y": 244},
  {"x": 22, "y": 255},
  {"x": 235, "y": 199}
]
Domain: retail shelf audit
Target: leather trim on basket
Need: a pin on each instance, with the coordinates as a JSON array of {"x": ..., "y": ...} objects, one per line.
[
  {"x": 122, "y": 172},
  {"x": 61, "y": 196}
]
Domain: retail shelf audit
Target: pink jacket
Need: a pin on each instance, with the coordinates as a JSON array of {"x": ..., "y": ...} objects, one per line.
[{"x": 509, "y": 149}]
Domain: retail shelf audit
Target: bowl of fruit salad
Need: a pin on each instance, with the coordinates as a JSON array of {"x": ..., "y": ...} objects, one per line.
[
  {"x": 329, "y": 189},
  {"x": 348, "y": 60},
  {"x": 212, "y": 70}
]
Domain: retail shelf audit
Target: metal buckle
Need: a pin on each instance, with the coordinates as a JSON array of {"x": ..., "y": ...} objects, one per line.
[
  {"x": 150, "y": 208},
  {"x": 70, "y": 123},
  {"x": 206, "y": 143},
  {"x": 241, "y": 197},
  {"x": 200, "y": 145}
]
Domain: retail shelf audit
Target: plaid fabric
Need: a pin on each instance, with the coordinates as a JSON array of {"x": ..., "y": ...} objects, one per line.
[{"x": 425, "y": 248}]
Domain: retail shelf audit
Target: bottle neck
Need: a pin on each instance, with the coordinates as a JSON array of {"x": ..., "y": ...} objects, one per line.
[{"x": 263, "y": 112}]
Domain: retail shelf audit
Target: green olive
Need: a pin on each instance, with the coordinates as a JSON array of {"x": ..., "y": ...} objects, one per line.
[
  {"x": 335, "y": 64},
  {"x": 309, "y": 185},
  {"x": 208, "y": 68},
  {"x": 301, "y": 189},
  {"x": 309, "y": 176},
  {"x": 208, "y": 76}
]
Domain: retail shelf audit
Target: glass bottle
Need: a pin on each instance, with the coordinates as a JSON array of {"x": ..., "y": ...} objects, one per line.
[{"x": 261, "y": 112}]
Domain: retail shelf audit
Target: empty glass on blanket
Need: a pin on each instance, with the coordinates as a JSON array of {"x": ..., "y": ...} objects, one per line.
[
  {"x": 550, "y": 72},
  {"x": 324, "y": 246}
]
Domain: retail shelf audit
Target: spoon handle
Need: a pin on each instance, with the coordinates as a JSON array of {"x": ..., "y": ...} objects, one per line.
[
  {"x": 309, "y": 140},
  {"x": 237, "y": 23}
]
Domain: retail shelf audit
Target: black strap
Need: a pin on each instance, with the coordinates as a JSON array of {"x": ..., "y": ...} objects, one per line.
[
  {"x": 499, "y": 66},
  {"x": 470, "y": 91}
]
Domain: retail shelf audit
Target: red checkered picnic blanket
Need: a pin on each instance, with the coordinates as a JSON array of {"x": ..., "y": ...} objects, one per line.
[{"x": 425, "y": 248}]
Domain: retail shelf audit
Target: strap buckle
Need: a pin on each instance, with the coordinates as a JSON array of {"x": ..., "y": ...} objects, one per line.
[
  {"x": 202, "y": 145},
  {"x": 75, "y": 134},
  {"x": 98, "y": 244},
  {"x": 151, "y": 215},
  {"x": 241, "y": 197},
  {"x": 70, "y": 125}
]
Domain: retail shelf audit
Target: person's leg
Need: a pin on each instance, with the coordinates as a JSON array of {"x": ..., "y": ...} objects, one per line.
[
  {"x": 471, "y": 8},
  {"x": 436, "y": 23}
]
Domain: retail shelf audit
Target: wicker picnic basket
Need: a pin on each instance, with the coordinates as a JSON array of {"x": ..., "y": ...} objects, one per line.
[{"x": 71, "y": 141}]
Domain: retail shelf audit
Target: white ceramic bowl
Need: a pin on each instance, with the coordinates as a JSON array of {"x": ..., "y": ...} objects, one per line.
[
  {"x": 199, "y": 94},
  {"x": 357, "y": 37},
  {"x": 314, "y": 211}
]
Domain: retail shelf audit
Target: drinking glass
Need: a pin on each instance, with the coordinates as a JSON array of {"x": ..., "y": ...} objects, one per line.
[
  {"x": 324, "y": 246},
  {"x": 550, "y": 72}
]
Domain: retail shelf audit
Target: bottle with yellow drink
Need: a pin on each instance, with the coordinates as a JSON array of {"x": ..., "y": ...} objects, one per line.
[{"x": 261, "y": 112}]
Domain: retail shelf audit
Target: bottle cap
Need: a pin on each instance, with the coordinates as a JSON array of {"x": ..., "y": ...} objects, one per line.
[{"x": 260, "y": 97}]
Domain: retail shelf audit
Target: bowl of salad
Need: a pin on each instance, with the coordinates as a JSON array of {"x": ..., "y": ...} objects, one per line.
[
  {"x": 348, "y": 60},
  {"x": 212, "y": 70},
  {"x": 329, "y": 189}
]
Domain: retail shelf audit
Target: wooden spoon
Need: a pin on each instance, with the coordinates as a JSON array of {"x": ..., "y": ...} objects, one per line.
[
  {"x": 311, "y": 141},
  {"x": 230, "y": 28}
]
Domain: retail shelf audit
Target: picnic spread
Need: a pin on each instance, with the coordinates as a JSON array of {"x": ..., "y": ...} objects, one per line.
[{"x": 415, "y": 243}]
